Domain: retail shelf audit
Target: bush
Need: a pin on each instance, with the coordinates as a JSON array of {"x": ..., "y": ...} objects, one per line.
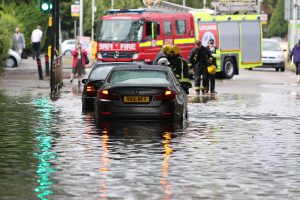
[{"x": 7, "y": 24}]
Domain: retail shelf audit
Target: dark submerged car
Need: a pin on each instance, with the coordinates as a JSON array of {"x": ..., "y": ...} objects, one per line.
[
  {"x": 94, "y": 81},
  {"x": 144, "y": 92}
]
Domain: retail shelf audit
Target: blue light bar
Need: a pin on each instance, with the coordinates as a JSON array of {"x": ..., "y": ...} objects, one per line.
[{"x": 116, "y": 11}]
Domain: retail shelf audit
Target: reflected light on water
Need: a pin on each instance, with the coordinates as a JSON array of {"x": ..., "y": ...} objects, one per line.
[
  {"x": 44, "y": 152},
  {"x": 165, "y": 165},
  {"x": 105, "y": 161}
]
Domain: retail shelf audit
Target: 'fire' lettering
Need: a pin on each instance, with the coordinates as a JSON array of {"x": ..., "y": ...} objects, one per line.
[{"x": 105, "y": 46}]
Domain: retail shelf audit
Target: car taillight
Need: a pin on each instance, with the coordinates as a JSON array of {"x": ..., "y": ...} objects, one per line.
[
  {"x": 90, "y": 89},
  {"x": 166, "y": 95},
  {"x": 108, "y": 95}
]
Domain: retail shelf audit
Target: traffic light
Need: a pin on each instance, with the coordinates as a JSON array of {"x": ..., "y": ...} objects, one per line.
[{"x": 46, "y": 5}]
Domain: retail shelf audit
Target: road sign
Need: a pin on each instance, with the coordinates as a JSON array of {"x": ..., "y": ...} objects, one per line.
[
  {"x": 264, "y": 18},
  {"x": 75, "y": 10}
]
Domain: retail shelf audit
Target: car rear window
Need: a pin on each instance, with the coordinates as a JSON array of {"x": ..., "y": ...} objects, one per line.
[
  {"x": 139, "y": 77},
  {"x": 101, "y": 72},
  {"x": 271, "y": 46}
]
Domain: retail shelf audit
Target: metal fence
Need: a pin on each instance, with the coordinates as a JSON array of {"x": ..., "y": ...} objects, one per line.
[
  {"x": 56, "y": 76},
  {"x": 235, "y": 6}
]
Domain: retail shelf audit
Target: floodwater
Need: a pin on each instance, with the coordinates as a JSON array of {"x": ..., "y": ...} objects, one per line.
[{"x": 233, "y": 146}]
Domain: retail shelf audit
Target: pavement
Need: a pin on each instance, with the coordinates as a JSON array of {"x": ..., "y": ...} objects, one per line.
[{"x": 25, "y": 77}]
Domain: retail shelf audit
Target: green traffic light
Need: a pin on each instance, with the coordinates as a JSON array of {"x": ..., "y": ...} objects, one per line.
[{"x": 46, "y": 5}]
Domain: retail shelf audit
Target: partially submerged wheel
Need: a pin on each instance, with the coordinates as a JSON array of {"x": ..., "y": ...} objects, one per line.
[
  {"x": 68, "y": 53},
  {"x": 228, "y": 68},
  {"x": 11, "y": 62}
]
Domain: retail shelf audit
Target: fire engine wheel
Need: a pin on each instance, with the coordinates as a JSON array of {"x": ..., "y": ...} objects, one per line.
[{"x": 228, "y": 68}]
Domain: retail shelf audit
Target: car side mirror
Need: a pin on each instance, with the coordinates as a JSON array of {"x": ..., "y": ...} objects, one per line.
[{"x": 83, "y": 81}]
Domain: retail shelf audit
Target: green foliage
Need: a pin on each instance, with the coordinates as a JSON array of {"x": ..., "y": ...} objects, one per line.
[
  {"x": 29, "y": 16},
  {"x": 67, "y": 21},
  {"x": 7, "y": 24},
  {"x": 278, "y": 26}
]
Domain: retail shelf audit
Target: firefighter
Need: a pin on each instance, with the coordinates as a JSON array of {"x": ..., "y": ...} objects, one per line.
[
  {"x": 163, "y": 53},
  {"x": 210, "y": 82},
  {"x": 198, "y": 61},
  {"x": 180, "y": 67}
]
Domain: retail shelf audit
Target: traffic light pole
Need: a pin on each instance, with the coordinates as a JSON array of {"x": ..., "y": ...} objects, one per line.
[
  {"x": 52, "y": 43},
  {"x": 57, "y": 22}
]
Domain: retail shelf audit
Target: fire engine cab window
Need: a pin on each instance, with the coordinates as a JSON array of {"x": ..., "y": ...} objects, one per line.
[
  {"x": 180, "y": 27},
  {"x": 120, "y": 30},
  {"x": 148, "y": 30},
  {"x": 167, "y": 28},
  {"x": 152, "y": 30}
]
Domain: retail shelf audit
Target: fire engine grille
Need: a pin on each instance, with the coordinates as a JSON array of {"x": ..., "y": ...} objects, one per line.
[{"x": 117, "y": 54}]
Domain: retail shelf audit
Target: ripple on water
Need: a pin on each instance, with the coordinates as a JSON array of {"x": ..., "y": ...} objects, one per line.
[{"x": 234, "y": 146}]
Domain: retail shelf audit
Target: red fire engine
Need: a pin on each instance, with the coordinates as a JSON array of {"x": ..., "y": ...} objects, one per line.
[{"x": 137, "y": 35}]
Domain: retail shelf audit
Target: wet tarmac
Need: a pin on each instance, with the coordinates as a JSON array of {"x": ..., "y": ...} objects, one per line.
[{"x": 234, "y": 145}]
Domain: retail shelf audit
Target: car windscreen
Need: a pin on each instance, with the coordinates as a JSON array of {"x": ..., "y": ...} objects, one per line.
[
  {"x": 138, "y": 77},
  {"x": 100, "y": 72},
  {"x": 271, "y": 46}
]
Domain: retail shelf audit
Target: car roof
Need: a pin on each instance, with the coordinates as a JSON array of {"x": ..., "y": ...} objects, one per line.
[
  {"x": 68, "y": 40},
  {"x": 140, "y": 66},
  {"x": 114, "y": 63},
  {"x": 269, "y": 39},
  {"x": 107, "y": 64}
]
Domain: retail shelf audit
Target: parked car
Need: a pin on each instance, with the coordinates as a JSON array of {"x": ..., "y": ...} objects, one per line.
[
  {"x": 93, "y": 81},
  {"x": 273, "y": 55},
  {"x": 13, "y": 59},
  {"x": 68, "y": 46},
  {"x": 143, "y": 92}
]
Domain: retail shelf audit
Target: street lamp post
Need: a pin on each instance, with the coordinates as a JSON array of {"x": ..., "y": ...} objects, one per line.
[
  {"x": 295, "y": 15},
  {"x": 81, "y": 19},
  {"x": 93, "y": 18}
]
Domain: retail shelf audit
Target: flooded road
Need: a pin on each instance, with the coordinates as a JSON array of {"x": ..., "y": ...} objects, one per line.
[{"x": 235, "y": 145}]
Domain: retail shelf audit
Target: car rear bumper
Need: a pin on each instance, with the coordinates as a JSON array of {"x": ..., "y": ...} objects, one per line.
[
  {"x": 273, "y": 65},
  {"x": 162, "y": 112}
]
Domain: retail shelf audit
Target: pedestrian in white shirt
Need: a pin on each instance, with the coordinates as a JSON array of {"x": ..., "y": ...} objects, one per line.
[{"x": 36, "y": 38}]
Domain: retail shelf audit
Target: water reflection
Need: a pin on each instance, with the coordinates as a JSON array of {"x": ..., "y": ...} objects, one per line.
[
  {"x": 165, "y": 165},
  {"x": 161, "y": 132},
  {"x": 202, "y": 98},
  {"x": 44, "y": 152}
]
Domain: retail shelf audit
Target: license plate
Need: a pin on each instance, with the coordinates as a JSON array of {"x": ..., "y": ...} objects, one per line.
[{"x": 136, "y": 99}]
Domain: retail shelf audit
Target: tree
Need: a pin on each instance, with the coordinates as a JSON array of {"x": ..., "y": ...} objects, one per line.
[
  {"x": 278, "y": 26},
  {"x": 8, "y": 24}
]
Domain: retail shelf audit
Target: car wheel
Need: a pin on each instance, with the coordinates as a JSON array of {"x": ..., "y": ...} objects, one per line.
[
  {"x": 228, "y": 68},
  {"x": 11, "y": 62},
  {"x": 67, "y": 53},
  {"x": 83, "y": 106},
  {"x": 250, "y": 68},
  {"x": 186, "y": 114},
  {"x": 277, "y": 69},
  {"x": 282, "y": 69}
]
